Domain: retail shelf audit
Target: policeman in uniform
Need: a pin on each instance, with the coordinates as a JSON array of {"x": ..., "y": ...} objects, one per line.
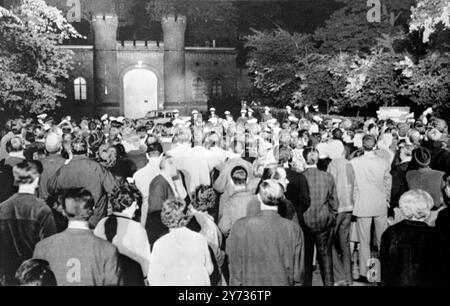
[
  {"x": 250, "y": 116},
  {"x": 267, "y": 115},
  {"x": 212, "y": 112},
  {"x": 176, "y": 118},
  {"x": 243, "y": 118}
]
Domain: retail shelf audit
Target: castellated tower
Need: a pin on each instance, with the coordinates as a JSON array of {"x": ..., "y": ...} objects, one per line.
[
  {"x": 105, "y": 62},
  {"x": 174, "y": 28}
]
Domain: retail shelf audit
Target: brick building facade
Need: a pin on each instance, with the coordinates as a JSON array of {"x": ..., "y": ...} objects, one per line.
[{"x": 133, "y": 77}]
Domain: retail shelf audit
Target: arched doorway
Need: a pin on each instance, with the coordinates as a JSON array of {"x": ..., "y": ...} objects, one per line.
[{"x": 140, "y": 92}]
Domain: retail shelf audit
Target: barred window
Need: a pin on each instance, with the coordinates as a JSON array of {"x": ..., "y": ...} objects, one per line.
[
  {"x": 216, "y": 88},
  {"x": 80, "y": 89}
]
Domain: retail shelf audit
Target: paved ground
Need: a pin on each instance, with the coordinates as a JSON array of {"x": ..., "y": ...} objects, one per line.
[{"x": 317, "y": 280}]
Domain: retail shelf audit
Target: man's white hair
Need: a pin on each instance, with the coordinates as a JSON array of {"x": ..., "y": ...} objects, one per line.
[{"x": 416, "y": 204}]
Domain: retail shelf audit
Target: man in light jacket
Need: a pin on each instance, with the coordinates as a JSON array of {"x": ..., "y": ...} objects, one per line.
[{"x": 372, "y": 192}]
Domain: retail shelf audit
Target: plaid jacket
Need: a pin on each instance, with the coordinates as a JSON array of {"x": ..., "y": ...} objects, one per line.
[{"x": 322, "y": 213}]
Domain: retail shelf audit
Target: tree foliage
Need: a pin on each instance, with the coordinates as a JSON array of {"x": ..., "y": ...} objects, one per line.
[
  {"x": 207, "y": 20},
  {"x": 353, "y": 63},
  {"x": 428, "y": 14},
  {"x": 32, "y": 65}
]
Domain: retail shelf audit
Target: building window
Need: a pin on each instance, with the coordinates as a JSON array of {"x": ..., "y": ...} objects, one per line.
[
  {"x": 198, "y": 86},
  {"x": 80, "y": 89},
  {"x": 216, "y": 88}
]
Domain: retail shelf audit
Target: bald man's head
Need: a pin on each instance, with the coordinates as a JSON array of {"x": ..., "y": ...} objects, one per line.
[{"x": 53, "y": 143}]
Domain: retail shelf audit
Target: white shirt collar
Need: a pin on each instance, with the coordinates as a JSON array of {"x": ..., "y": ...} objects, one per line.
[
  {"x": 310, "y": 166},
  {"x": 80, "y": 225}
]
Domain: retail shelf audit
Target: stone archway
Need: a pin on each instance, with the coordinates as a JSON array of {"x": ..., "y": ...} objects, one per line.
[{"x": 140, "y": 92}]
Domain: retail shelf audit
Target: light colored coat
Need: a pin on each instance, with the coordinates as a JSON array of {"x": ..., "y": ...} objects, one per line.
[
  {"x": 343, "y": 178},
  {"x": 372, "y": 185},
  {"x": 192, "y": 162},
  {"x": 180, "y": 258}
]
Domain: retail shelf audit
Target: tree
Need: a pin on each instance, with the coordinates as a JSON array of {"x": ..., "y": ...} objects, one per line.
[
  {"x": 207, "y": 20},
  {"x": 428, "y": 14},
  {"x": 32, "y": 65},
  {"x": 349, "y": 30}
]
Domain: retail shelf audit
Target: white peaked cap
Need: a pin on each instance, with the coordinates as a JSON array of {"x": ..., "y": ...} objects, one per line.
[
  {"x": 42, "y": 116},
  {"x": 120, "y": 119},
  {"x": 317, "y": 119},
  {"x": 104, "y": 117}
]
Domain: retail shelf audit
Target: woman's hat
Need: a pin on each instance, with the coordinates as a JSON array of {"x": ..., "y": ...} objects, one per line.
[{"x": 422, "y": 156}]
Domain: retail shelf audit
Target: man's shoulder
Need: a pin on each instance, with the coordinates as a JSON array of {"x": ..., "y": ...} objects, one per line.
[
  {"x": 84, "y": 161},
  {"x": 104, "y": 245},
  {"x": 159, "y": 179},
  {"x": 53, "y": 239}
]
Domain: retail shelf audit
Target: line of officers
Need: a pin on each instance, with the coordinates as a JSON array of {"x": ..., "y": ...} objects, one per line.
[{"x": 246, "y": 116}]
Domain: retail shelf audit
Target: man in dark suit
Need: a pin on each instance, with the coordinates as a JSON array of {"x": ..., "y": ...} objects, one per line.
[
  {"x": 319, "y": 219},
  {"x": 297, "y": 190},
  {"x": 76, "y": 256},
  {"x": 440, "y": 158},
  {"x": 169, "y": 184},
  {"x": 82, "y": 172}
]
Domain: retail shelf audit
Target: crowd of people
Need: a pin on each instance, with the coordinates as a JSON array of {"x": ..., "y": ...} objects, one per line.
[{"x": 255, "y": 201}]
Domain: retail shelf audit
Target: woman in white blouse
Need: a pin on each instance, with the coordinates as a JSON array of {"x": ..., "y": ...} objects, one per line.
[
  {"x": 126, "y": 233},
  {"x": 181, "y": 257}
]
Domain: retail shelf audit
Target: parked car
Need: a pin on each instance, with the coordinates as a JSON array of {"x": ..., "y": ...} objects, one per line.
[{"x": 163, "y": 116}]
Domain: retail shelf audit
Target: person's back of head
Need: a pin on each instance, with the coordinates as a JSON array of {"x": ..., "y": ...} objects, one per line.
[
  {"x": 53, "y": 143},
  {"x": 422, "y": 157},
  {"x": 79, "y": 146},
  {"x": 204, "y": 198},
  {"x": 284, "y": 155},
  {"x": 369, "y": 142},
  {"x": 78, "y": 204},
  {"x": 183, "y": 137},
  {"x": 270, "y": 193},
  {"x": 416, "y": 205},
  {"x": 35, "y": 272},
  {"x": 239, "y": 176},
  {"x": 124, "y": 196},
  {"x": 154, "y": 149},
  {"x": 414, "y": 136},
  {"x": 211, "y": 140},
  {"x": 15, "y": 144},
  {"x": 27, "y": 172},
  {"x": 168, "y": 166},
  {"x": 337, "y": 134},
  {"x": 311, "y": 156}
]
